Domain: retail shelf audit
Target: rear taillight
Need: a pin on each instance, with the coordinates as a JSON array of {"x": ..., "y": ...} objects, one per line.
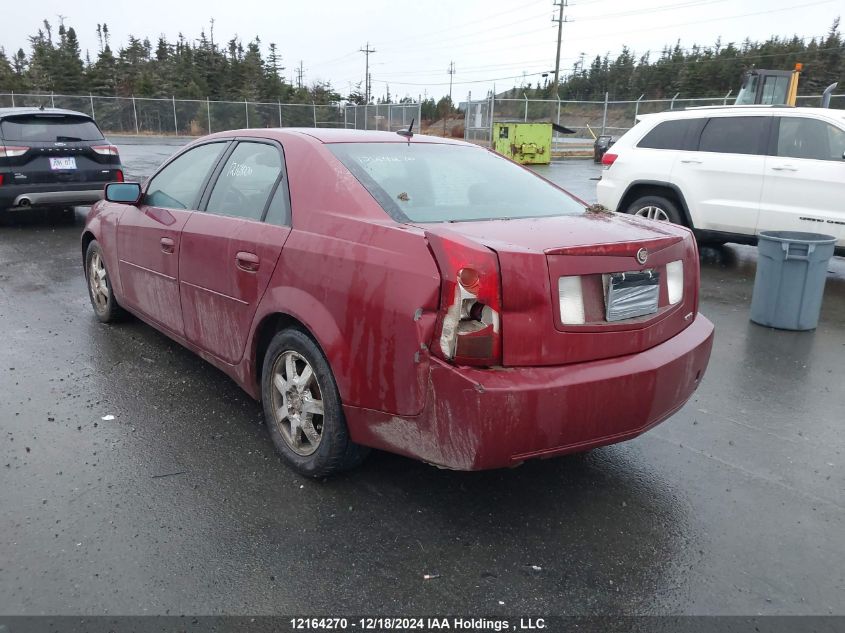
[
  {"x": 675, "y": 281},
  {"x": 118, "y": 176},
  {"x": 1, "y": 180},
  {"x": 11, "y": 151},
  {"x": 608, "y": 159},
  {"x": 105, "y": 150},
  {"x": 469, "y": 329},
  {"x": 571, "y": 297}
]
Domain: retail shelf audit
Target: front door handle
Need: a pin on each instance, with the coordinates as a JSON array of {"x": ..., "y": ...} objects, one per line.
[
  {"x": 248, "y": 262},
  {"x": 690, "y": 161},
  {"x": 167, "y": 245},
  {"x": 785, "y": 168}
]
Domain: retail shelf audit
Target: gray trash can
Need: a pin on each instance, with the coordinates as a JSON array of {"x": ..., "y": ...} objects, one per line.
[{"x": 791, "y": 271}]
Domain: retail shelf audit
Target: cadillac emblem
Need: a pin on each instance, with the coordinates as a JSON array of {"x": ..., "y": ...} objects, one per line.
[{"x": 642, "y": 256}]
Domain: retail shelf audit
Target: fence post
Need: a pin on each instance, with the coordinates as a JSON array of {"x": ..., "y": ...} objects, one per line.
[
  {"x": 91, "y": 97},
  {"x": 558, "y": 109},
  {"x": 175, "y": 122},
  {"x": 135, "y": 114},
  {"x": 52, "y": 100},
  {"x": 355, "y": 110},
  {"x": 492, "y": 112},
  {"x": 345, "y": 117},
  {"x": 279, "y": 101},
  {"x": 208, "y": 112},
  {"x": 365, "y": 115},
  {"x": 727, "y": 96},
  {"x": 13, "y": 98},
  {"x": 526, "y": 107},
  {"x": 672, "y": 104},
  {"x": 314, "y": 110},
  {"x": 419, "y": 115},
  {"x": 246, "y": 112},
  {"x": 637, "y": 108},
  {"x": 389, "y": 117},
  {"x": 604, "y": 116},
  {"x": 466, "y": 114}
]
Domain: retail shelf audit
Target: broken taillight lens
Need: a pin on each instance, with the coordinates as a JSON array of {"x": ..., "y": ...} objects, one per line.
[{"x": 469, "y": 323}]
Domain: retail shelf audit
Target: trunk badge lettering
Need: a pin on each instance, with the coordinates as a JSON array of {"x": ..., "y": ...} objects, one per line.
[{"x": 642, "y": 256}]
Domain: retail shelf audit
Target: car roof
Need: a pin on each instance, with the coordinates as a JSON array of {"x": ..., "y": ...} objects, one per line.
[
  {"x": 335, "y": 135},
  {"x": 6, "y": 112},
  {"x": 743, "y": 110}
]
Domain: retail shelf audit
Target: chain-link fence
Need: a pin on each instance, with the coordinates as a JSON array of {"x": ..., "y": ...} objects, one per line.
[
  {"x": 588, "y": 118},
  {"x": 195, "y": 117},
  {"x": 382, "y": 116}
]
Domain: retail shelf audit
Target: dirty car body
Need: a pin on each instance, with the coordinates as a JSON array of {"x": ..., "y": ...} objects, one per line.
[{"x": 458, "y": 299}]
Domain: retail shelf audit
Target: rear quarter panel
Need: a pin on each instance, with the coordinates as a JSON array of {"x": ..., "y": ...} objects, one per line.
[{"x": 366, "y": 287}]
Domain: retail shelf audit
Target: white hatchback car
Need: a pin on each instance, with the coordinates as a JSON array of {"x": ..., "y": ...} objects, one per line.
[{"x": 729, "y": 173}]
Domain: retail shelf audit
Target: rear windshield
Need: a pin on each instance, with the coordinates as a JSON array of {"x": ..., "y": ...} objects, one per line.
[
  {"x": 49, "y": 128},
  {"x": 423, "y": 182}
]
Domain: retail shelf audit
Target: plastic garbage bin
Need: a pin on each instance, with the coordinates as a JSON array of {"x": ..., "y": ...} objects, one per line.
[{"x": 791, "y": 271}]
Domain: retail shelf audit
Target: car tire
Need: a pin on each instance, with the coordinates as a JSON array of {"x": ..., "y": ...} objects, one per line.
[
  {"x": 303, "y": 409},
  {"x": 656, "y": 208},
  {"x": 106, "y": 307}
]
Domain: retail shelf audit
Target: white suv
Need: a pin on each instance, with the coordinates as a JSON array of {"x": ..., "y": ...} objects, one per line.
[{"x": 729, "y": 173}]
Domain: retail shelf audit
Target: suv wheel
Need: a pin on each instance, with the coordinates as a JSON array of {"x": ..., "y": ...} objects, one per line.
[
  {"x": 656, "y": 208},
  {"x": 303, "y": 409}
]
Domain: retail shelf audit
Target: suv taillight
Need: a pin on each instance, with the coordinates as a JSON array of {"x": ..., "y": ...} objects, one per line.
[
  {"x": 469, "y": 329},
  {"x": 608, "y": 159},
  {"x": 105, "y": 150},
  {"x": 12, "y": 151}
]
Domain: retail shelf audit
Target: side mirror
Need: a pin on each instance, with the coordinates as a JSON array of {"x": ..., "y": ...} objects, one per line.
[{"x": 123, "y": 192}]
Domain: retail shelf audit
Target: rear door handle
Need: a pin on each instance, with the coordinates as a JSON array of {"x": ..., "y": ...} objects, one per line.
[
  {"x": 168, "y": 245},
  {"x": 785, "y": 168},
  {"x": 247, "y": 262},
  {"x": 690, "y": 161}
]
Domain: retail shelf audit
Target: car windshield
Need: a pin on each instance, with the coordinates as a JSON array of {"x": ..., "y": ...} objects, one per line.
[
  {"x": 428, "y": 182},
  {"x": 49, "y": 128}
]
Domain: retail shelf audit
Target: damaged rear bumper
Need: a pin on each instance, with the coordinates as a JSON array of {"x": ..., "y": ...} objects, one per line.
[{"x": 477, "y": 419}]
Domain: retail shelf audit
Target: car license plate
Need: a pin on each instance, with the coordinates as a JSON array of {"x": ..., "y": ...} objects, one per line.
[
  {"x": 63, "y": 163},
  {"x": 631, "y": 295}
]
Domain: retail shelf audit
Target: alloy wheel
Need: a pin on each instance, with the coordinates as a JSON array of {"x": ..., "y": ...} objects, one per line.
[
  {"x": 297, "y": 403},
  {"x": 653, "y": 213},
  {"x": 98, "y": 281}
]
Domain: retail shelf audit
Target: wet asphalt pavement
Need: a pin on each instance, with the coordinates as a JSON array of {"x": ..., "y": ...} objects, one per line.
[{"x": 179, "y": 505}]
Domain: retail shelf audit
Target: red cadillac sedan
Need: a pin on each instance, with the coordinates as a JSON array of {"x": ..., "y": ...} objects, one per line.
[{"x": 407, "y": 293}]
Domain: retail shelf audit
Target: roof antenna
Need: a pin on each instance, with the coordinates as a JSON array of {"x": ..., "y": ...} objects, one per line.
[{"x": 407, "y": 133}]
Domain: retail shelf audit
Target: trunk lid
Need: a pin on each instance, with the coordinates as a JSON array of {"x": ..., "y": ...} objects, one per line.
[{"x": 534, "y": 253}]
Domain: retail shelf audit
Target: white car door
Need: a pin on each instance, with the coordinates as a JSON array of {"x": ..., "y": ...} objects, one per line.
[
  {"x": 804, "y": 184},
  {"x": 723, "y": 179}
]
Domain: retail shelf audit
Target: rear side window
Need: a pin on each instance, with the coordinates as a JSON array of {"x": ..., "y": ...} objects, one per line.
[
  {"x": 668, "y": 135},
  {"x": 49, "y": 128},
  {"x": 246, "y": 181},
  {"x": 810, "y": 138},
  {"x": 734, "y": 135},
  {"x": 178, "y": 185}
]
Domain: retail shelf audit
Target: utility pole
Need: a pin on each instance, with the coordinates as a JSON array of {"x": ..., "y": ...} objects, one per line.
[
  {"x": 451, "y": 72},
  {"x": 367, "y": 50},
  {"x": 561, "y": 4},
  {"x": 299, "y": 72}
]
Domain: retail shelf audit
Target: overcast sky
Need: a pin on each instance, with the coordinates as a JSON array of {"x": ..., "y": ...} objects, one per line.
[{"x": 490, "y": 41}]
